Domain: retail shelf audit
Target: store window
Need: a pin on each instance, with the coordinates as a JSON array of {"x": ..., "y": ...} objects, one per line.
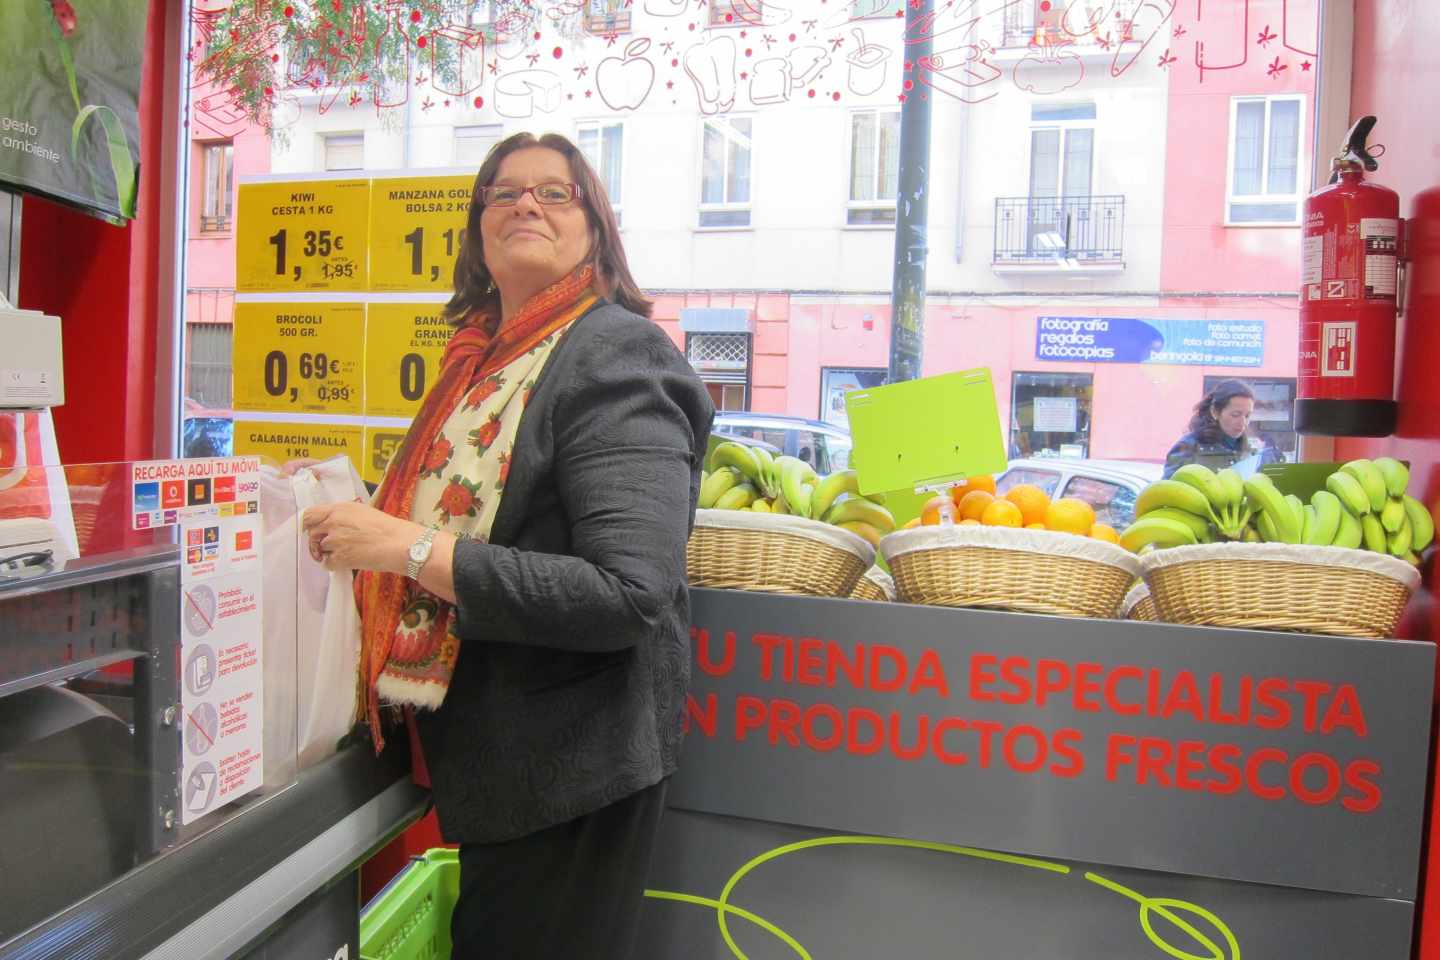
[
  {"x": 604, "y": 146},
  {"x": 835, "y": 382},
  {"x": 1265, "y": 150},
  {"x": 1050, "y": 414},
  {"x": 217, "y": 209},
  {"x": 473, "y": 143},
  {"x": 607, "y": 16},
  {"x": 1273, "y": 424},
  {"x": 344, "y": 151},
  {"x": 874, "y": 167},
  {"x": 723, "y": 362},
  {"x": 207, "y": 366},
  {"x": 725, "y": 173}
]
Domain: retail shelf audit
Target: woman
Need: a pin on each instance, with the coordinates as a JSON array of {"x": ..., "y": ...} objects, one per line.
[
  {"x": 522, "y": 573},
  {"x": 1217, "y": 431}
]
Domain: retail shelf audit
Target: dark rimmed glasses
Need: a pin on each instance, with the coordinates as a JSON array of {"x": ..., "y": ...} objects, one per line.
[{"x": 551, "y": 194}]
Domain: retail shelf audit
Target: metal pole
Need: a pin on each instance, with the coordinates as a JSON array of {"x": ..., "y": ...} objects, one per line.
[{"x": 907, "y": 291}]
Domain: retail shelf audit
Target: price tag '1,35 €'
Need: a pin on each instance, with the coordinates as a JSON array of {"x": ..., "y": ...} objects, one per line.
[{"x": 302, "y": 235}]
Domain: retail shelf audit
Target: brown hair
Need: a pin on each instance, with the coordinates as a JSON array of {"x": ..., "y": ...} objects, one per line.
[
  {"x": 473, "y": 283},
  {"x": 1203, "y": 422}
]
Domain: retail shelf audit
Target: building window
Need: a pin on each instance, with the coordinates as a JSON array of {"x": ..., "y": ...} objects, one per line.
[
  {"x": 472, "y": 144},
  {"x": 835, "y": 382},
  {"x": 207, "y": 368},
  {"x": 217, "y": 208},
  {"x": 876, "y": 9},
  {"x": 344, "y": 151},
  {"x": 725, "y": 173},
  {"x": 1062, "y": 165},
  {"x": 1273, "y": 423},
  {"x": 874, "y": 166},
  {"x": 607, "y": 16},
  {"x": 1265, "y": 175},
  {"x": 723, "y": 362},
  {"x": 736, "y": 13},
  {"x": 604, "y": 147},
  {"x": 1050, "y": 414}
]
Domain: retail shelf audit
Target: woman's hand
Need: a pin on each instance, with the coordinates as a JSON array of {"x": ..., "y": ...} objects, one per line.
[
  {"x": 291, "y": 467},
  {"x": 356, "y": 536}
]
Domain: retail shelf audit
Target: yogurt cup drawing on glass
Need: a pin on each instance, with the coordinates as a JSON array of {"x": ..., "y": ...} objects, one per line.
[{"x": 867, "y": 66}]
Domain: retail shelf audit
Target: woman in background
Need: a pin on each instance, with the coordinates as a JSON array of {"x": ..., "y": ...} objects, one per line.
[{"x": 1217, "y": 433}]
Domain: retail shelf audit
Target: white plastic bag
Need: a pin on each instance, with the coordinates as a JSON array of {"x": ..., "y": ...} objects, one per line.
[{"x": 328, "y": 659}]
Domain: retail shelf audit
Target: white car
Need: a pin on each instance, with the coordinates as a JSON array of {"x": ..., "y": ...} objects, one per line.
[{"x": 1110, "y": 486}]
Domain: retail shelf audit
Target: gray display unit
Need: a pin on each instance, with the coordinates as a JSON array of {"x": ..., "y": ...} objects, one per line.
[{"x": 865, "y": 779}]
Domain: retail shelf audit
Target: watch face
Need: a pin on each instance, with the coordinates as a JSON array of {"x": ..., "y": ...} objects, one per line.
[{"x": 417, "y": 551}]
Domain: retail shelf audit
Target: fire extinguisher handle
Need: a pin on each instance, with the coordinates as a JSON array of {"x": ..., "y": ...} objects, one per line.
[{"x": 1355, "y": 149}]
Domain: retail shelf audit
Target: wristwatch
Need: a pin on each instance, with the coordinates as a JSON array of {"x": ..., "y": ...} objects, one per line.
[{"x": 419, "y": 553}]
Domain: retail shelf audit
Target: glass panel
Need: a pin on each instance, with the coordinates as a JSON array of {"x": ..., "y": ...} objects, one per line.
[
  {"x": 865, "y": 216},
  {"x": 712, "y": 189},
  {"x": 611, "y": 160},
  {"x": 1053, "y": 113},
  {"x": 724, "y": 218},
  {"x": 208, "y": 370},
  {"x": 1079, "y": 149},
  {"x": 1249, "y": 146},
  {"x": 862, "y": 157},
  {"x": 1113, "y": 503},
  {"x": 1286, "y": 212},
  {"x": 1044, "y": 479},
  {"x": 737, "y": 181},
  {"x": 345, "y": 153},
  {"x": 889, "y": 155},
  {"x": 1044, "y": 162},
  {"x": 1284, "y": 170}
]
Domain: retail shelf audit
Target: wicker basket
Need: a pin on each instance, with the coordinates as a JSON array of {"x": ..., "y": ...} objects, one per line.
[
  {"x": 773, "y": 553},
  {"x": 876, "y": 585},
  {"x": 1034, "y": 571},
  {"x": 1139, "y": 605},
  {"x": 1274, "y": 586}
]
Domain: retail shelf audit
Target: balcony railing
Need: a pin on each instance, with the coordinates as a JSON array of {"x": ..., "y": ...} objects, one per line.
[
  {"x": 214, "y": 224},
  {"x": 1027, "y": 22},
  {"x": 1036, "y": 230}
]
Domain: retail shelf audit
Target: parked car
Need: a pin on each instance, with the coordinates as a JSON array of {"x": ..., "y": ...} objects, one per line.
[
  {"x": 206, "y": 432},
  {"x": 824, "y": 446},
  {"x": 1110, "y": 486}
]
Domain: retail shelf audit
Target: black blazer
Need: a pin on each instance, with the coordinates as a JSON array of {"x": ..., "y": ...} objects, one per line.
[{"x": 574, "y": 619}]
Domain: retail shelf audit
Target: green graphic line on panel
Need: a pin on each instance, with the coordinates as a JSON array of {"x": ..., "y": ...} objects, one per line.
[{"x": 1164, "y": 907}]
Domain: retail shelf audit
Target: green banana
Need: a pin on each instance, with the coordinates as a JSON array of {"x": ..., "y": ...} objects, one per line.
[
  {"x": 1173, "y": 493},
  {"x": 1198, "y": 525},
  {"x": 1157, "y": 532},
  {"x": 768, "y": 484},
  {"x": 1393, "y": 515},
  {"x": 737, "y": 497},
  {"x": 1399, "y": 542},
  {"x": 1251, "y": 535},
  {"x": 1422, "y": 524},
  {"x": 1307, "y": 524},
  {"x": 1350, "y": 534},
  {"x": 830, "y": 489},
  {"x": 853, "y": 509},
  {"x": 1327, "y": 518},
  {"x": 1375, "y": 539},
  {"x": 739, "y": 456},
  {"x": 1297, "y": 510},
  {"x": 794, "y": 473},
  {"x": 1268, "y": 501},
  {"x": 1396, "y": 474},
  {"x": 761, "y": 505},
  {"x": 778, "y": 505},
  {"x": 1202, "y": 478},
  {"x": 1266, "y": 528},
  {"x": 1352, "y": 495},
  {"x": 1234, "y": 485},
  {"x": 1371, "y": 479},
  {"x": 1412, "y": 558},
  {"x": 717, "y": 484}
]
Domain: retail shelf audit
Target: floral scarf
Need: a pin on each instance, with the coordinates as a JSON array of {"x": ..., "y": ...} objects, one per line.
[{"x": 449, "y": 474}]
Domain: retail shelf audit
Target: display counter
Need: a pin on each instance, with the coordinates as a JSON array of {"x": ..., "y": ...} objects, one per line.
[{"x": 873, "y": 779}]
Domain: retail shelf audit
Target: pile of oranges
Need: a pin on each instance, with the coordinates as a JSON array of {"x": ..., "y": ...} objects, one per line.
[{"x": 1023, "y": 505}]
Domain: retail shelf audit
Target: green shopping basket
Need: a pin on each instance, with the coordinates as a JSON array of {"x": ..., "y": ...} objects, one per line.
[{"x": 410, "y": 918}]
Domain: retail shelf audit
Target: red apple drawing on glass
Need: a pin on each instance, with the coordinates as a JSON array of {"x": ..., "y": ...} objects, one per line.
[{"x": 625, "y": 82}]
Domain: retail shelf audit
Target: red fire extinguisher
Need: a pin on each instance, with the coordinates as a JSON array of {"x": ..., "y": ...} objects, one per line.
[{"x": 1349, "y": 299}]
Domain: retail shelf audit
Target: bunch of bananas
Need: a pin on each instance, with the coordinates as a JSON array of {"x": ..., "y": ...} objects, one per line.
[
  {"x": 741, "y": 477},
  {"x": 1364, "y": 506},
  {"x": 1373, "y": 495}
]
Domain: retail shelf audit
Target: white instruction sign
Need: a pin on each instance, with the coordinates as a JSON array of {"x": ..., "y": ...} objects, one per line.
[
  {"x": 221, "y": 681},
  {"x": 1055, "y": 414}
]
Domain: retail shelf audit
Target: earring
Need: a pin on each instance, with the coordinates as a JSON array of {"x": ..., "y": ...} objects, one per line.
[{"x": 490, "y": 287}]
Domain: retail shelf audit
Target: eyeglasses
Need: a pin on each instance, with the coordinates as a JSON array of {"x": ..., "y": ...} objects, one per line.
[{"x": 550, "y": 194}]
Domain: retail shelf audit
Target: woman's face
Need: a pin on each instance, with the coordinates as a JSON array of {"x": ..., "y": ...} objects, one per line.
[
  {"x": 531, "y": 245},
  {"x": 1235, "y": 416}
]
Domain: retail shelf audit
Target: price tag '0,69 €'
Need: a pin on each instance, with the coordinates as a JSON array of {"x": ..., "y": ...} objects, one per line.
[
  {"x": 416, "y": 227},
  {"x": 302, "y": 235},
  {"x": 299, "y": 357}
]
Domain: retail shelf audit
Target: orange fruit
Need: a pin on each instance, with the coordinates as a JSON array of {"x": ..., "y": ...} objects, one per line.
[
  {"x": 969, "y": 523},
  {"x": 1103, "y": 531},
  {"x": 911, "y": 524},
  {"x": 1036, "y": 526},
  {"x": 1069, "y": 515},
  {"x": 930, "y": 515},
  {"x": 973, "y": 504},
  {"x": 1002, "y": 513},
  {"x": 1032, "y": 501},
  {"x": 983, "y": 482}
]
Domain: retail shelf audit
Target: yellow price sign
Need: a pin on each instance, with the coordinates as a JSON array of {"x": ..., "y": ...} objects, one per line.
[
  {"x": 299, "y": 357},
  {"x": 284, "y": 442},
  {"x": 416, "y": 227},
  {"x": 381, "y": 445},
  {"x": 403, "y": 346},
  {"x": 302, "y": 235}
]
